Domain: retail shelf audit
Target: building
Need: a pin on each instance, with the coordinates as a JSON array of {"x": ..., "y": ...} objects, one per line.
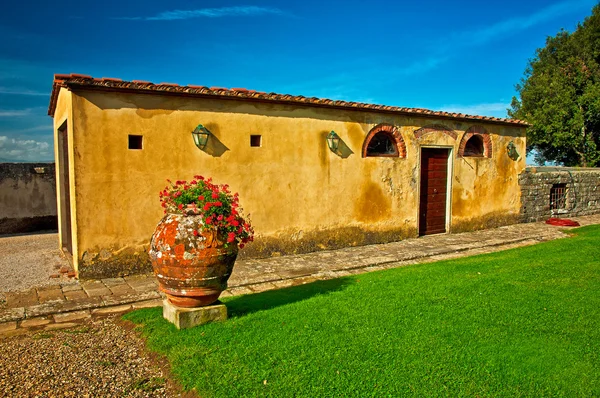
[{"x": 396, "y": 172}]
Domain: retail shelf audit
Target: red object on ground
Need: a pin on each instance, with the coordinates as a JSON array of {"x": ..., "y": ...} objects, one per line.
[{"x": 562, "y": 222}]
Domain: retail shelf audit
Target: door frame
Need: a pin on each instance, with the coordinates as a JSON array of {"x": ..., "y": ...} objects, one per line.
[
  {"x": 448, "y": 184},
  {"x": 65, "y": 195}
]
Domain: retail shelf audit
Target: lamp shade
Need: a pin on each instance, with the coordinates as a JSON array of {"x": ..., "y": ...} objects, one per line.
[
  {"x": 333, "y": 141},
  {"x": 201, "y": 135}
]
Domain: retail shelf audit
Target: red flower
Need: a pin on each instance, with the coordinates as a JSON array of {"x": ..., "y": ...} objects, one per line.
[
  {"x": 241, "y": 245},
  {"x": 230, "y": 237},
  {"x": 226, "y": 217}
]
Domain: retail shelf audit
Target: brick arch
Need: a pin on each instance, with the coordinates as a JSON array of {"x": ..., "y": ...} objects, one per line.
[
  {"x": 390, "y": 130},
  {"x": 480, "y": 131},
  {"x": 432, "y": 128}
]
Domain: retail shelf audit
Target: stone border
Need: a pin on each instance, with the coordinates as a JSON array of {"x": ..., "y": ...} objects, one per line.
[{"x": 112, "y": 296}]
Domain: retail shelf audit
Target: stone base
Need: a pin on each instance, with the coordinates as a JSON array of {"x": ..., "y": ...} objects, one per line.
[{"x": 184, "y": 318}]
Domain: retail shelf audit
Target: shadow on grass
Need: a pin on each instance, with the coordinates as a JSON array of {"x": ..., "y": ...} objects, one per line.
[{"x": 247, "y": 304}]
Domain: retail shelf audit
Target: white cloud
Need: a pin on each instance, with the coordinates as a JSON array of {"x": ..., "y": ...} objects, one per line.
[
  {"x": 422, "y": 66},
  {"x": 209, "y": 13},
  {"x": 514, "y": 25},
  {"x": 12, "y": 149},
  {"x": 446, "y": 49},
  {"x": 496, "y": 109},
  {"x": 42, "y": 127},
  {"x": 15, "y": 112},
  {"x": 22, "y": 91}
]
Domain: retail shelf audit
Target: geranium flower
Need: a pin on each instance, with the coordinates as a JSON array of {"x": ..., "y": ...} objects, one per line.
[{"x": 215, "y": 203}]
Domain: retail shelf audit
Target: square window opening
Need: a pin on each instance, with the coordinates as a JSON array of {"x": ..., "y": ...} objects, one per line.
[
  {"x": 135, "y": 141},
  {"x": 558, "y": 197},
  {"x": 255, "y": 141}
]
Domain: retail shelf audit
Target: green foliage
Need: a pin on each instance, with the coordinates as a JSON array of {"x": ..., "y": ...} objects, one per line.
[
  {"x": 560, "y": 97},
  {"x": 218, "y": 208},
  {"x": 517, "y": 323}
]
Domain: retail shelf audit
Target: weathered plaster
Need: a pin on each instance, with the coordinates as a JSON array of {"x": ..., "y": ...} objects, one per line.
[
  {"x": 27, "y": 197},
  {"x": 63, "y": 116},
  {"x": 291, "y": 184}
]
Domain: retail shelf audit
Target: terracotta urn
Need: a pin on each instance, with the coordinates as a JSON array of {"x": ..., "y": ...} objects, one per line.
[{"x": 192, "y": 264}]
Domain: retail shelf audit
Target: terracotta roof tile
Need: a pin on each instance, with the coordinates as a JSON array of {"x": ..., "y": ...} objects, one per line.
[{"x": 78, "y": 81}]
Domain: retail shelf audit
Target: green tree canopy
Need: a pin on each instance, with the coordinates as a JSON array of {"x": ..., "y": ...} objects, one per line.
[{"x": 560, "y": 97}]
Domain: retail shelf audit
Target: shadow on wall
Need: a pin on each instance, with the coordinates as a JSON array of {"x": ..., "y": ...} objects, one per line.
[
  {"x": 152, "y": 103},
  {"x": 247, "y": 304},
  {"x": 214, "y": 147},
  {"x": 343, "y": 150}
]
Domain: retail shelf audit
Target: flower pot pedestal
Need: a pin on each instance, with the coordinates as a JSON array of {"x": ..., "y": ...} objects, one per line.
[{"x": 184, "y": 318}]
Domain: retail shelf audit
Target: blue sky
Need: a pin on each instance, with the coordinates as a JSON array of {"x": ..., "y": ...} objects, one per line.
[{"x": 462, "y": 56}]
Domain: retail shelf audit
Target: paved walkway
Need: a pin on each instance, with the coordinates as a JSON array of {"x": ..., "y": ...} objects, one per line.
[{"x": 61, "y": 304}]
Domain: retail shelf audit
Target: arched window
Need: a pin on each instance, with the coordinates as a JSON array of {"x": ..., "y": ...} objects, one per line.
[
  {"x": 384, "y": 140},
  {"x": 475, "y": 142},
  {"x": 382, "y": 144},
  {"x": 474, "y": 146}
]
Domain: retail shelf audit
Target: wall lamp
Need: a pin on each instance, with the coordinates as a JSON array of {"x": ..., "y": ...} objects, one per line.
[
  {"x": 201, "y": 135},
  {"x": 333, "y": 141}
]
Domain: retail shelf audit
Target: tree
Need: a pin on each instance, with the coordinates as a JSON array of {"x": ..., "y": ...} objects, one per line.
[{"x": 560, "y": 97}]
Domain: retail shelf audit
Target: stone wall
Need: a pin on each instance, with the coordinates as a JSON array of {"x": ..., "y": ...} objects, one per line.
[
  {"x": 27, "y": 197},
  {"x": 581, "y": 187}
]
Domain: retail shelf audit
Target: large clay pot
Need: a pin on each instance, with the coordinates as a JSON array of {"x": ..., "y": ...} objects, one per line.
[{"x": 192, "y": 268}]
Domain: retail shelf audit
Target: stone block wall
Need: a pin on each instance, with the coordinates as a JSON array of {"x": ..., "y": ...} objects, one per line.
[
  {"x": 582, "y": 192},
  {"x": 27, "y": 197}
]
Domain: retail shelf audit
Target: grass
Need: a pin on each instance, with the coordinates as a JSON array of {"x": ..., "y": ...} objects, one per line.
[{"x": 522, "y": 322}]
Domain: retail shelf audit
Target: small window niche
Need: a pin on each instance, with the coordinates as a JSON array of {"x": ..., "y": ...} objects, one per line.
[
  {"x": 382, "y": 144},
  {"x": 474, "y": 147},
  {"x": 135, "y": 141},
  {"x": 255, "y": 140},
  {"x": 558, "y": 197}
]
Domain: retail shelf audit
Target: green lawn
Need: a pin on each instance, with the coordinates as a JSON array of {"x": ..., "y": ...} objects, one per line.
[{"x": 523, "y": 322}]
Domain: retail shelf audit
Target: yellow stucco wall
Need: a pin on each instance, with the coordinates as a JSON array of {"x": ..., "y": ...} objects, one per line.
[
  {"x": 62, "y": 117},
  {"x": 300, "y": 195}
]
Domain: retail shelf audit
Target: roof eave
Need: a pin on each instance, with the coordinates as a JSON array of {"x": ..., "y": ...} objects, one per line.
[{"x": 82, "y": 82}]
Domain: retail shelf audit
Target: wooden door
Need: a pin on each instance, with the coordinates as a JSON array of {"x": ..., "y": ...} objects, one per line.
[
  {"x": 65, "y": 189},
  {"x": 434, "y": 185}
]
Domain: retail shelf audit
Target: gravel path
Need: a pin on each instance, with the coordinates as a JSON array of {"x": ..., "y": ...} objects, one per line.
[
  {"x": 27, "y": 261},
  {"x": 100, "y": 358}
]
